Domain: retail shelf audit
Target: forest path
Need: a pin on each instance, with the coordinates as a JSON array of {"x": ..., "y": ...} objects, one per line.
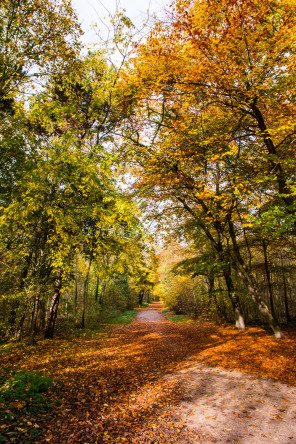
[
  {"x": 155, "y": 381},
  {"x": 231, "y": 406}
]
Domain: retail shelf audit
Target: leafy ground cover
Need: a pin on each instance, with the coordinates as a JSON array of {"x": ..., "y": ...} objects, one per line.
[
  {"x": 22, "y": 397},
  {"x": 116, "y": 388}
]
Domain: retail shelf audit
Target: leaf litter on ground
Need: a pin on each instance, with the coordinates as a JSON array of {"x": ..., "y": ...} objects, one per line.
[{"x": 123, "y": 388}]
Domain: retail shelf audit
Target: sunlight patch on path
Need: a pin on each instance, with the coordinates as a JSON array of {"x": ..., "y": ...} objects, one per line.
[{"x": 233, "y": 407}]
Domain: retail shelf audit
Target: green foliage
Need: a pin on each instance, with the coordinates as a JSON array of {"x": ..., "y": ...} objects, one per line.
[
  {"x": 22, "y": 399},
  {"x": 124, "y": 318},
  {"x": 28, "y": 50},
  {"x": 177, "y": 318},
  {"x": 27, "y": 387},
  {"x": 63, "y": 201}
]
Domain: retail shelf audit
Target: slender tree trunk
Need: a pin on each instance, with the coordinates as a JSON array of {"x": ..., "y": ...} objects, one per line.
[
  {"x": 84, "y": 302},
  {"x": 42, "y": 314},
  {"x": 97, "y": 290},
  {"x": 85, "y": 294},
  {"x": 270, "y": 292},
  {"x": 213, "y": 295},
  {"x": 249, "y": 280},
  {"x": 49, "y": 331},
  {"x": 35, "y": 244},
  {"x": 34, "y": 319},
  {"x": 76, "y": 287},
  {"x": 102, "y": 295},
  {"x": 67, "y": 304},
  {"x": 211, "y": 284},
  {"x": 288, "y": 317},
  {"x": 234, "y": 299},
  {"x": 238, "y": 314},
  {"x": 221, "y": 307},
  {"x": 210, "y": 280},
  {"x": 18, "y": 333},
  {"x": 15, "y": 305}
]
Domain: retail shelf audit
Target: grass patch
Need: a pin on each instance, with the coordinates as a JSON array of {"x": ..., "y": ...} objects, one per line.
[
  {"x": 173, "y": 317},
  {"x": 178, "y": 318},
  {"x": 96, "y": 325},
  {"x": 22, "y": 400},
  {"x": 102, "y": 325},
  {"x": 124, "y": 318},
  {"x": 110, "y": 317}
]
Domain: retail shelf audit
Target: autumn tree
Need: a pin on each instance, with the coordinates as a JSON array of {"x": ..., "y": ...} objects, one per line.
[
  {"x": 37, "y": 37},
  {"x": 66, "y": 201},
  {"x": 212, "y": 122}
]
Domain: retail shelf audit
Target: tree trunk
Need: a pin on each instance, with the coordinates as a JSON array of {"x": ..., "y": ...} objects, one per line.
[
  {"x": 277, "y": 166},
  {"x": 141, "y": 297},
  {"x": 35, "y": 244},
  {"x": 76, "y": 288},
  {"x": 211, "y": 285},
  {"x": 33, "y": 331},
  {"x": 84, "y": 302},
  {"x": 218, "y": 246},
  {"x": 97, "y": 290},
  {"x": 251, "y": 285},
  {"x": 270, "y": 292},
  {"x": 49, "y": 331},
  {"x": 263, "y": 308},
  {"x": 210, "y": 280},
  {"x": 288, "y": 317},
  {"x": 103, "y": 293},
  {"x": 42, "y": 315},
  {"x": 85, "y": 294},
  {"x": 67, "y": 304},
  {"x": 15, "y": 305},
  {"x": 237, "y": 310},
  {"x": 18, "y": 334},
  {"x": 234, "y": 299}
]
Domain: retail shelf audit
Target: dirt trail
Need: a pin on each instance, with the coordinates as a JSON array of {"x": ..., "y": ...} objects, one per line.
[
  {"x": 152, "y": 314},
  {"x": 230, "y": 406},
  {"x": 233, "y": 407}
]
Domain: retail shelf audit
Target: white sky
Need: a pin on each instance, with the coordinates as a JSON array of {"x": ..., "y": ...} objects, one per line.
[{"x": 92, "y": 11}]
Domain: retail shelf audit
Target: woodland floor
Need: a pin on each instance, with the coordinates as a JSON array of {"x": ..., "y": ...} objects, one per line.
[{"x": 154, "y": 381}]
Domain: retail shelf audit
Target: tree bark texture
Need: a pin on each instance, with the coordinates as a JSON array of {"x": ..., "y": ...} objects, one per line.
[{"x": 49, "y": 331}]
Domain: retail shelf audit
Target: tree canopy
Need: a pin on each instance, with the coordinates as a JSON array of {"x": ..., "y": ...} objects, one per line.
[{"x": 193, "y": 130}]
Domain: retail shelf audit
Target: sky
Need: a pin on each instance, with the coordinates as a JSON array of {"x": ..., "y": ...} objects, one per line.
[{"x": 96, "y": 11}]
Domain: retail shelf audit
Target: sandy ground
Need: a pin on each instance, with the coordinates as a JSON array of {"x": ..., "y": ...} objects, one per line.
[
  {"x": 151, "y": 314},
  {"x": 229, "y": 406}
]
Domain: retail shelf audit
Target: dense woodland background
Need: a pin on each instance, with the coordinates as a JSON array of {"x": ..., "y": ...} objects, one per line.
[{"x": 160, "y": 165}]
